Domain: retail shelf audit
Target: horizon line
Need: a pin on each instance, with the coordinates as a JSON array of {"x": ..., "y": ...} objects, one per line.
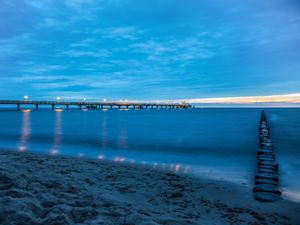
[{"x": 293, "y": 98}]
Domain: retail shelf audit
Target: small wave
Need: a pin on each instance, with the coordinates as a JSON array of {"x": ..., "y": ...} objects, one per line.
[{"x": 291, "y": 195}]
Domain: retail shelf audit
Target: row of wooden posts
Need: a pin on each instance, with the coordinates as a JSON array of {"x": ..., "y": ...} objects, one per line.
[{"x": 266, "y": 178}]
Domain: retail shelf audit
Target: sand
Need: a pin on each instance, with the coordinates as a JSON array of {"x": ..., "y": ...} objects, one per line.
[{"x": 43, "y": 189}]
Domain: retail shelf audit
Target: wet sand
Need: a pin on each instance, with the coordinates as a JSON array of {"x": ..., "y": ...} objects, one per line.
[{"x": 43, "y": 189}]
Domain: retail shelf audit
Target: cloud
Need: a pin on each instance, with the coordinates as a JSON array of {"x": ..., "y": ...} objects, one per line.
[
  {"x": 77, "y": 88},
  {"x": 174, "y": 50},
  {"x": 40, "y": 78},
  {"x": 83, "y": 43},
  {"x": 13, "y": 46},
  {"x": 39, "y": 69},
  {"x": 120, "y": 33},
  {"x": 78, "y": 53},
  {"x": 85, "y": 9},
  {"x": 39, "y": 4},
  {"x": 50, "y": 22},
  {"x": 150, "y": 49}
]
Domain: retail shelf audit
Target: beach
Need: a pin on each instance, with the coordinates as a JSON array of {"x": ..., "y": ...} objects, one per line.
[{"x": 44, "y": 189}]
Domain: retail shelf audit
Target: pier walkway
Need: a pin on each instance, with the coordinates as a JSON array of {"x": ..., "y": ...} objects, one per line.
[{"x": 96, "y": 105}]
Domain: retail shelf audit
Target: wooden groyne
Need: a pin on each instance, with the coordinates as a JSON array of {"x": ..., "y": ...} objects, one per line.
[{"x": 266, "y": 178}]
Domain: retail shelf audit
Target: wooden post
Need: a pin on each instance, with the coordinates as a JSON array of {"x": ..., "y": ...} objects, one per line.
[{"x": 267, "y": 167}]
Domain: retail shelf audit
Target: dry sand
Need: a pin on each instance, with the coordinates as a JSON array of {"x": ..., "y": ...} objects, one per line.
[{"x": 42, "y": 189}]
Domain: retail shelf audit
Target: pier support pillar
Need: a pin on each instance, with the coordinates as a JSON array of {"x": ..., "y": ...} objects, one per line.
[
  {"x": 80, "y": 106},
  {"x": 36, "y": 107},
  {"x": 67, "y": 107},
  {"x": 52, "y": 106},
  {"x": 18, "y": 107}
]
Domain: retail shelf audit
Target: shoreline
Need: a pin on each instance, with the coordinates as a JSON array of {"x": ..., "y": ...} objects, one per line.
[{"x": 44, "y": 189}]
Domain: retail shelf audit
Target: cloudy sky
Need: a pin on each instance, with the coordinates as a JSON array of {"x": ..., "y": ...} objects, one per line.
[{"x": 142, "y": 50}]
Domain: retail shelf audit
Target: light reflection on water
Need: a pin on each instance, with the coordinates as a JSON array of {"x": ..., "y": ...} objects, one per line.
[
  {"x": 104, "y": 131},
  {"x": 25, "y": 131},
  {"x": 122, "y": 139},
  {"x": 122, "y": 143},
  {"x": 57, "y": 134},
  {"x": 217, "y": 143}
]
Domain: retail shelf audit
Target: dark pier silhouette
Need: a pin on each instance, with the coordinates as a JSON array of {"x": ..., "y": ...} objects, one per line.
[
  {"x": 96, "y": 105},
  {"x": 266, "y": 178}
]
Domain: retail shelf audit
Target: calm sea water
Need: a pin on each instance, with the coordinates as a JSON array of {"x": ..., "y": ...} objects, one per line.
[{"x": 217, "y": 143}]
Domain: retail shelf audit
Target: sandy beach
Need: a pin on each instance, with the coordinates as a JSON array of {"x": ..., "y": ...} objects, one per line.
[{"x": 43, "y": 189}]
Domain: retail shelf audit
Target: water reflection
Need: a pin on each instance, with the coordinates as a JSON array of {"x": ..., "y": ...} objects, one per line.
[
  {"x": 186, "y": 170},
  {"x": 81, "y": 154},
  {"x": 123, "y": 138},
  {"x": 57, "y": 134},
  {"x": 177, "y": 167},
  {"x": 25, "y": 131},
  {"x": 170, "y": 167},
  {"x": 100, "y": 157},
  {"x": 119, "y": 159},
  {"x": 104, "y": 131}
]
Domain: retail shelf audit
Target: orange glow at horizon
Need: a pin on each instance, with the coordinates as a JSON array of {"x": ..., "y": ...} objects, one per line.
[{"x": 289, "y": 98}]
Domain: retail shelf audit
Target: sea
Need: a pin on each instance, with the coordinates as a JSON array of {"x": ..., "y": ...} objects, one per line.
[{"x": 217, "y": 143}]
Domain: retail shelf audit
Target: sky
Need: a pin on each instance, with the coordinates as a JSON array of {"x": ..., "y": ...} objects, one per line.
[{"x": 149, "y": 50}]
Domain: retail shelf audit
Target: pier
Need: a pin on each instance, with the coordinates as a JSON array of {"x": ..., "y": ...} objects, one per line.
[
  {"x": 95, "y": 105},
  {"x": 266, "y": 178}
]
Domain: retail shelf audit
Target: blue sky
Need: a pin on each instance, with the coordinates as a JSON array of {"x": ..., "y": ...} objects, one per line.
[{"x": 142, "y": 50}]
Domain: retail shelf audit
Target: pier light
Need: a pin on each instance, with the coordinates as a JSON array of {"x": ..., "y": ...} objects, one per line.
[
  {"x": 26, "y": 97},
  {"x": 105, "y": 100},
  {"x": 58, "y": 98},
  {"x": 84, "y": 99}
]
